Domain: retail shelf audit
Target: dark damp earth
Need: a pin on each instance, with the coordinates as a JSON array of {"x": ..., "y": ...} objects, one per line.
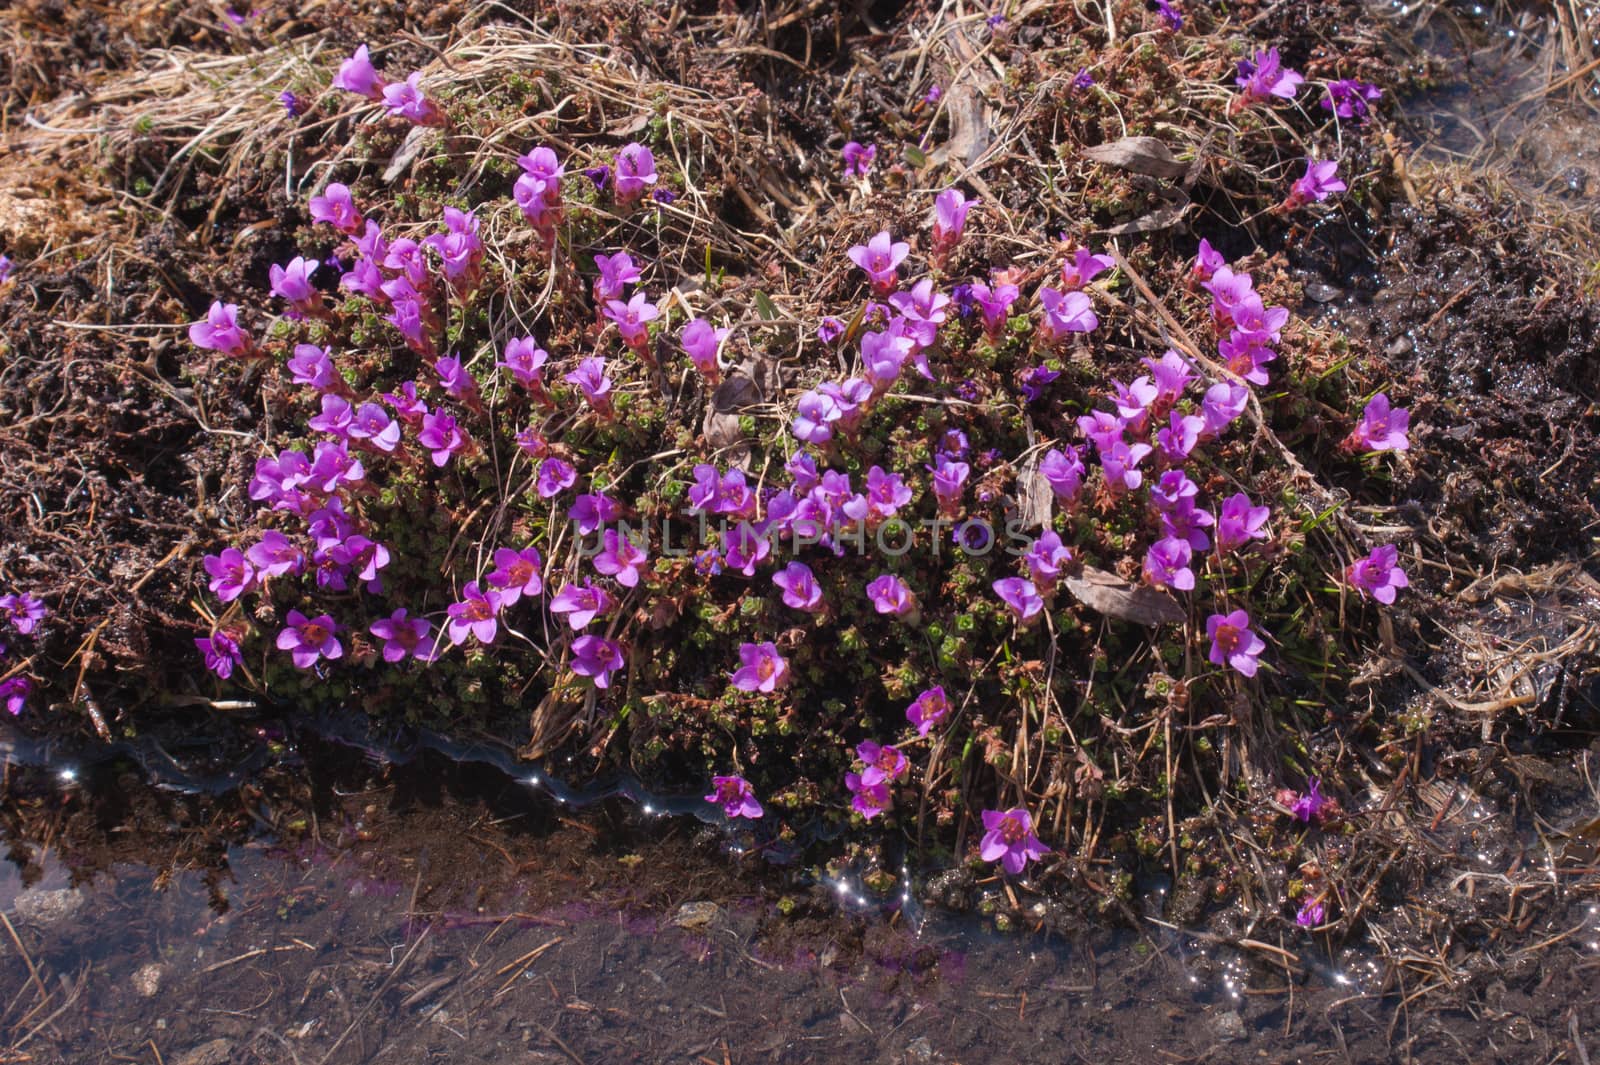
[{"x": 349, "y": 910}]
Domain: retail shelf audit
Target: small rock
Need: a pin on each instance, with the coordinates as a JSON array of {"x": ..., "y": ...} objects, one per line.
[
  {"x": 216, "y": 1052},
  {"x": 1229, "y": 1026},
  {"x": 920, "y": 1051},
  {"x": 43, "y": 908},
  {"x": 147, "y": 980},
  {"x": 697, "y": 916}
]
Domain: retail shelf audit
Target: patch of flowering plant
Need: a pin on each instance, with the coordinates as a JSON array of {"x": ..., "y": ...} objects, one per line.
[
  {"x": 467, "y": 487},
  {"x": 21, "y": 614}
]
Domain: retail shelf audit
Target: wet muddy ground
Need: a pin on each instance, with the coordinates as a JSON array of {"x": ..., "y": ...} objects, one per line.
[{"x": 351, "y": 910}]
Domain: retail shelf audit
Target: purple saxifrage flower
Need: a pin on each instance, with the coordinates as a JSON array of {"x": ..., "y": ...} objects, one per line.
[
  {"x": 221, "y": 653},
  {"x": 800, "y": 588},
  {"x": 405, "y": 99},
  {"x": 994, "y": 304},
  {"x": 1234, "y": 643},
  {"x": 1120, "y": 464},
  {"x": 23, "y": 612},
  {"x": 291, "y": 282},
  {"x": 15, "y": 691},
  {"x": 1180, "y": 437},
  {"x": 313, "y": 366},
  {"x": 555, "y": 476},
  {"x": 1020, "y": 597},
  {"x": 620, "y": 558},
  {"x": 456, "y": 380},
  {"x": 701, "y": 341},
  {"x": 459, "y": 247},
  {"x": 581, "y": 603},
  {"x": 1348, "y": 98},
  {"x": 1036, "y": 381},
  {"x": 516, "y": 574},
  {"x": 949, "y": 478},
  {"x": 1222, "y": 405},
  {"x": 1263, "y": 76},
  {"x": 1311, "y": 914},
  {"x": 335, "y": 418},
  {"x": 868, "y": 800},
  {"x": 950, "y": 209},
  {"x": 633, "y": 319},
  {"x": 1065, "y": 313},
  {"x": 337, "y": 208},
  {"x": 358, "y": 75},
  {"x": 1382, "y": 428},
  {"x": 763, "y": 669},
  {"x": 590, "y": 379},
  {"x": 597, "y": 658},
  {"x": 928, "y": 709},
  {"x": 441, "y": 437},
  {"x": 1238, "y": 522},
  {"x": 858, "y": 158},
  {"x": 1084, "y": 268},
  {"x": 735, "y": 796},
  {"x": 477, "y": 615},
  {"x": 220, "y": 331},
  {"x": 1320, "y": 181},
  {"x": 1008, "y": 839},
  {"x": 373, "y": 425},
  {"x": 592, "y": 510},
  {"x": 889, "y": 595},
  {"x": 309, "y": 640},
  {"x": 1308, "y": 807},
  {"x": 403, "y": 635},
  {"x": 617, "y": 272},
  {"x": 1046, "y": 559},
  {"x": 275, "y": 554},
  {"x": 1166, "y": 564},
  {"x": 1063, "y": 470},
  {"x": 880, "y": 259},
  {"x": 814, "y": 416},
  {"x": 635, "y": 171},
  {"x": 526, "y": 359},
  {"x": 1379, "y": 574},
  {"x": 882, "y": 763},
  {"x": 232, "y": 575}
]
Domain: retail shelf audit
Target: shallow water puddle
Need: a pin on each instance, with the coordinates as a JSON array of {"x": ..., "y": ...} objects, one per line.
[
  {"x": 1505, "y": 102},
  {"x": 354, "y": 912}
]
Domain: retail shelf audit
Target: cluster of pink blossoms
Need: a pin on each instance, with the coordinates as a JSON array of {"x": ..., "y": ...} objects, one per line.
[
  {"x": 322, "y": 488},
  {"x": 403, "y": 99},
  {"x": 1139, "y": 447},
  {"x": 20, "y": 613}
]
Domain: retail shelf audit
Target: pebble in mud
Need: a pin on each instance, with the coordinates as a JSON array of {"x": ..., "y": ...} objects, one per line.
[
  {"x": 697, "y": 916},
  {"x": 1229, "y": 1026},
  {"x": 952, "y": 889},
  {"x": 42, "y": 907},
  {"x": 147, "y": 980},
  {"x": 214, "y": 1052}
]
